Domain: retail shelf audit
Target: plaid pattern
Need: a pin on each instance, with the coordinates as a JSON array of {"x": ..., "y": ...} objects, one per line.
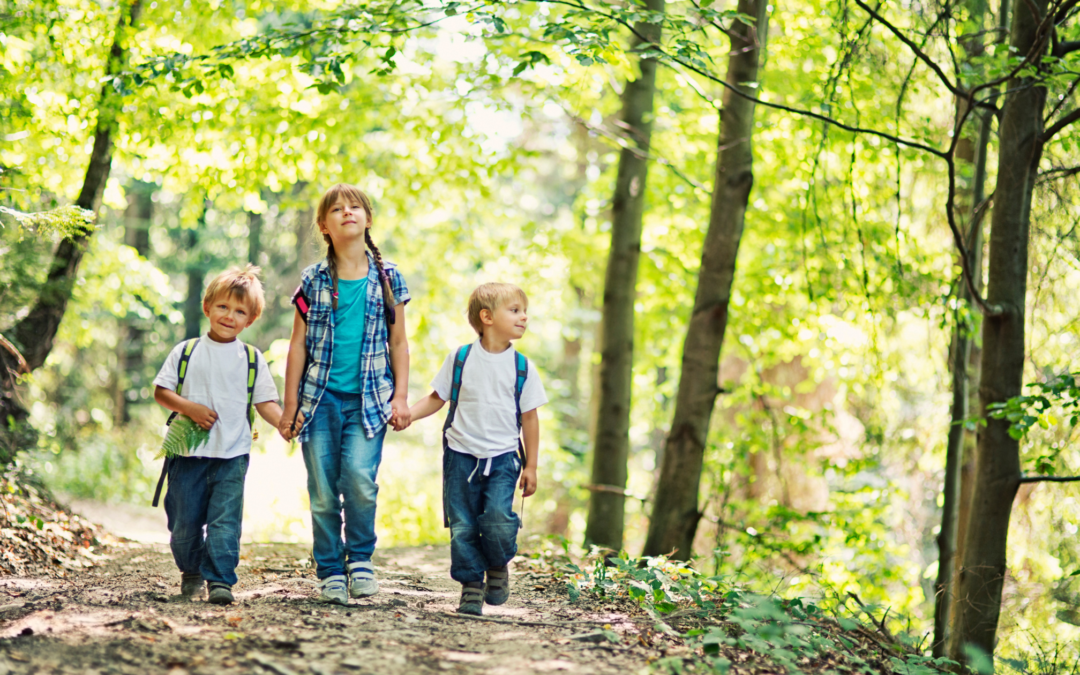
[{"x": 377, "y": 381}]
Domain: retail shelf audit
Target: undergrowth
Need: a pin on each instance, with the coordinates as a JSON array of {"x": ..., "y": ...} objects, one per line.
[{"x": 726, "y": 628}]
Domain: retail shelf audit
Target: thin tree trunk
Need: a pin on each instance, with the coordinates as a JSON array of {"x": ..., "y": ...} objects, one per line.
[
  {"x": 193, "y": 309},
  {"x": 675, "y": 513},
  {"x": 997, "y": 468},
  {"x": 33, "y": 336},
  {"x": 604, "y": 526},
  {"x": 255, "y": 226},
  {"x": 130, "y": 349}
]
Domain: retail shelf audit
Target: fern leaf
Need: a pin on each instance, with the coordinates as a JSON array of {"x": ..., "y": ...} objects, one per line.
[{"x": 183, "y": 438}]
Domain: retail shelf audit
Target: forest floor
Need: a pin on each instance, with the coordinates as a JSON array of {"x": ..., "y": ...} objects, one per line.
[{"x": 78, "y": 600}]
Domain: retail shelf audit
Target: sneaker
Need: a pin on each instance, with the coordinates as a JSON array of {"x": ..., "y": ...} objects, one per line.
[
  {"x": 362, "y": 583},
  {"x": 333, "y": 590},
  {"x": 472, "y": 598},
  {"x": 220, "y": 594},
  {"x": 498, "y": 586},
  {"x": 192, "y": 586}
]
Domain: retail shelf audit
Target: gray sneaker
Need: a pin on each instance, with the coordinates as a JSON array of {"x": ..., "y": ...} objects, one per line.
[
  {"x": 220, "y": 594},
  {"x": 192, "y": 586},
  {"x": 333, "y": 590},
  {"x": 362, "y": 583},
  {"x": 472, "y": 598},
  {"x": 498, "y": 586}
]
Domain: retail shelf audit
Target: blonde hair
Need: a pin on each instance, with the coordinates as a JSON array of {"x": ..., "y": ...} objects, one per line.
[
  {"x": 491, "y": 296},
  {"x": 351, "y": 193},
  {"x": 238, "y": 282}
]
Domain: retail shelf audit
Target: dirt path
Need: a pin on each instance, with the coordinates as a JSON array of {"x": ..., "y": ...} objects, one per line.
[{"x": 120, "y": 618}]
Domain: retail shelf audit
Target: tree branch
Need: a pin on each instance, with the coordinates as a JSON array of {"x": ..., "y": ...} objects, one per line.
[
  {"x": 1065, "y": 121},
  {"x": 1049, "y": 479},
  {"x": 913, "y": 47}
]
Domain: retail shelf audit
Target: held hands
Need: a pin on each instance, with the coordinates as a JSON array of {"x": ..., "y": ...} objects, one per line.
[
  {"x": 400, "y": 414},
  {"x": 528, "y": 481},
  {"x": 286, "y": 427},
  {"x": 201, "y": 415}
]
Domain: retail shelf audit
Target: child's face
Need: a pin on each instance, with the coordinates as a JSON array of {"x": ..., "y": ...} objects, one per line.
[
  {"x": 229, "y": 315},
  {"x": 509, "y": 321},
  {"x": 345, "y": 220}
]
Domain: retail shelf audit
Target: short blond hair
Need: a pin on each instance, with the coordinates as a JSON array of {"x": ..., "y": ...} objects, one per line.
[
  {"x": 491, "y": 296},
  {"x": 241, "y": 283}
]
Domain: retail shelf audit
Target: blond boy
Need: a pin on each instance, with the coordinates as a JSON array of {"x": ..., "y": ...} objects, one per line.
[
  {"x": 494, "y": 393},
  {"x": 209, "y": 379}
]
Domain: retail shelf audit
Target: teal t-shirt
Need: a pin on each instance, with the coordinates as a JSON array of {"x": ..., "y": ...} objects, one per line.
[{"x": 348, "y": 336}]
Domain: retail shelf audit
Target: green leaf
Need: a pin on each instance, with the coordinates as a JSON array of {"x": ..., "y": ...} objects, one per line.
[{"x": 183, "y": 438}]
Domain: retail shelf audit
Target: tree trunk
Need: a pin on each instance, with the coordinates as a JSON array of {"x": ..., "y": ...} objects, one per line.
[
  {"x": 675, "y": 513},
  {"x": 193, "y": 309},
  {"x": 255, "y": 225},
  {"x": 997, "y": 463},
  {"x": 960, "y": 351},
  {"x": 129, "y": 375},
  {"x": 604, "y": 526},
  {"x": 33, "y": 336}
]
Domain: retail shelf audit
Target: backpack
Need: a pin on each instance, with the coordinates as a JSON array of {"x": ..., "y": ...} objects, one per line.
[
  {"x": 522, "y": 367},
  {"x": 181, "y": 374}
]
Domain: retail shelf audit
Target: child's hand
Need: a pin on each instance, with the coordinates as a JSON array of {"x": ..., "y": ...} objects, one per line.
[
  {"x": 528, "y": 481},
  {"x": 400, "y": 415},
  {"x": 286, "y": 428},
  {"x": 201, "y": 415}
]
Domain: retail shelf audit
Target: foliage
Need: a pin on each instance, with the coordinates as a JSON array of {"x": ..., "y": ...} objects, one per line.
[
  {"x": 727, "y": 625},
  {"x": 183, "y": 438},
  {"x": 65, "y": 221}
]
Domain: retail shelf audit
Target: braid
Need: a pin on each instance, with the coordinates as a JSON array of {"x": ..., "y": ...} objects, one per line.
[
  {"x": 389, "y": 301},
  {"x": 331, "y": 259}
]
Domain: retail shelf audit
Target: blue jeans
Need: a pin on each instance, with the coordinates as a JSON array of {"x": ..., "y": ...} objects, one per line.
[
  {"x": 341, "y": 466},
  {"x": 206, "y": 494},
  {"x": 480, "y": 512}
]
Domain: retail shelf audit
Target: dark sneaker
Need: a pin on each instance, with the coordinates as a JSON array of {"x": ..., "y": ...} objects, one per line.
[
  {"x": 498, "y": 586},
  {"x": 333, "y": 590},
  {"x": 220, "y": 594},
  {"x": 192, "y": 586},
  {"x": 472, "y": 598}
]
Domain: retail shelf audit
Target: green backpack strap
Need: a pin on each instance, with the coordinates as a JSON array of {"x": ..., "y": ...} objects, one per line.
[
  {"x": 252, "y": 359},
  {"x": 181, "y": 373}
]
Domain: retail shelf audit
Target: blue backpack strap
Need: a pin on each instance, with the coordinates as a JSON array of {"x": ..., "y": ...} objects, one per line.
[
  {"x": 522, "y": 367},
  {"x": 181, "y": 373},
  {"x": 455, "y": 386}
]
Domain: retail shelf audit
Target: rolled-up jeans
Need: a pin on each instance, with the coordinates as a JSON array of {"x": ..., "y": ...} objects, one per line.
[
  {"x": 204, "y": 507},
  {"x": 342, "y": 464},
  {"x": 479, "y": 501}
]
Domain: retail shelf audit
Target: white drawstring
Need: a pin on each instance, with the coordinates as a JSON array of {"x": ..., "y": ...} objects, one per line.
[{"x": 487, "y": 469}]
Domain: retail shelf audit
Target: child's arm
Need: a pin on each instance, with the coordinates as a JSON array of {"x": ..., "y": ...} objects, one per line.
[
  {"x": 200, "y": 414},
  {"x": 270, "y": 411},
  {"x": 399, "y": 366},
  {"x": 294, "y": 371},
  {"x": 429, "y": 405},
  {"x": 530, "y": 429}
]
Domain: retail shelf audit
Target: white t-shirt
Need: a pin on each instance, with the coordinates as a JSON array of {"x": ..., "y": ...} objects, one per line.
[
  {"x": 485, "y": 424},
  {"x": 217, "y": 378}
]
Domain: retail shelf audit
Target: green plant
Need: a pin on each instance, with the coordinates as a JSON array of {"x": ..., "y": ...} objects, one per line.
[{"x": 183, "y": 438}]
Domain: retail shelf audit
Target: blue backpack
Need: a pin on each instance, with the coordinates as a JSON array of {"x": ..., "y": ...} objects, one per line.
[{"x": 455, "y": 391}]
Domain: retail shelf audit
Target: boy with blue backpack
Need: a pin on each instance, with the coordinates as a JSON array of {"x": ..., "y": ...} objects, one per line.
[{"x": 494, "y": 395}]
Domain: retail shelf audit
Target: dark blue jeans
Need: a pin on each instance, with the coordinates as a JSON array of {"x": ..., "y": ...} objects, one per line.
[
  {"x": 204, "y": 507},
  {"x": 480, "y": 514},
  {"x": 342, "y": 464}
]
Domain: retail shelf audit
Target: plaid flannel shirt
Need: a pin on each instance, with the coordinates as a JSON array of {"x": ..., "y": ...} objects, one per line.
[{"x": 377, "y": 380}]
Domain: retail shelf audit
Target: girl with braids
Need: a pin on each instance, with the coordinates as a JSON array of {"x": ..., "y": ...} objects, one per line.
[{"x": 348, "y": 349}]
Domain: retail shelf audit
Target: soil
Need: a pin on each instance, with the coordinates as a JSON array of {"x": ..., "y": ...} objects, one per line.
[{"x": 124, "y": 616}]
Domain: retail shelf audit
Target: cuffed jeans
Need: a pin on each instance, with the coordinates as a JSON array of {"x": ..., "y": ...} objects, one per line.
[
  {"x": 204, "y": 507},
  {"x": 341, "y": 466},
  {"x": 479, "y": 511}
]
